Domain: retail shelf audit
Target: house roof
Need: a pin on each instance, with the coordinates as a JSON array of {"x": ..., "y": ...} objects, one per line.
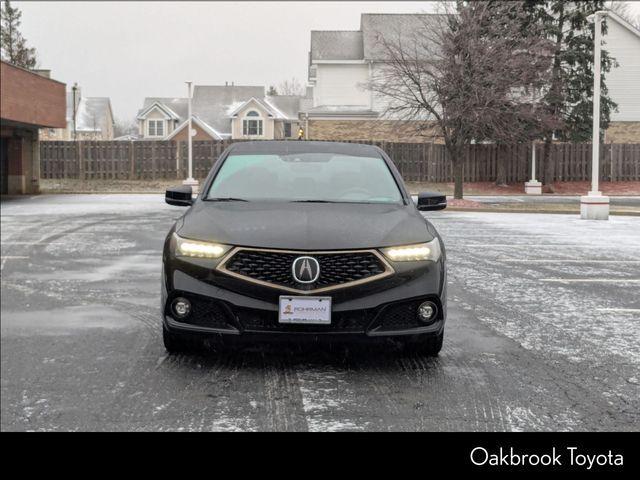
[
  {"x": 375, "y": 26},
  {"x": 235, "y": 107},
  {"x": 212, "y": 103},
  {"x": 127, "y": 138},
  {"x": 282, "y": 107},
  {"x": 336, "y": 45},
  {"x": 177, "y": 108},
  {"x": 623, "y": 22},
  {"x": 288, "y": 105},
  {"x": 212, "y": 132},
  {"x": 92, "y": 114},
  {"x": 363, "y": 44}
]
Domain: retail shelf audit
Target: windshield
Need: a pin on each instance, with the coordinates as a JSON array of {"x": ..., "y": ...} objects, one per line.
[{"x": 305, "y": 177}]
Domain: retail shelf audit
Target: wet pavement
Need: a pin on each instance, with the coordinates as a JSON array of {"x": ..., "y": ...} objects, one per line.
[{"x": 542, "y": 334}]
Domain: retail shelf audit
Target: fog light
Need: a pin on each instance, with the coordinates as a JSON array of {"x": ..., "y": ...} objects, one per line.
[
  {"x": 181, "y": 307},
  {"x": 426, "y": 311}
]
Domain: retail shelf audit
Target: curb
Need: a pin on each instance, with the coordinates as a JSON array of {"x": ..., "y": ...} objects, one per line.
[{"x": 633, "y": 213}]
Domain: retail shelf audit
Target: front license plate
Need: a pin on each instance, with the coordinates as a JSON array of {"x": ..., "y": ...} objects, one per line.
[{"x": 306, "y": 310}]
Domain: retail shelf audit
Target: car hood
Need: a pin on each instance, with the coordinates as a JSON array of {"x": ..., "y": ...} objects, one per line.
[{"x": 304, "y": 226}]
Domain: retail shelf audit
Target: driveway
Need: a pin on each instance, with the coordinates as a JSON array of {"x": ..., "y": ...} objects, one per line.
[{"x": 542, "y": 333}]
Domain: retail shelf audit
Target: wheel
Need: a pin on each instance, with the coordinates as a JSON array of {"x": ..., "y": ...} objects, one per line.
[
  {"x": 429, "y": 346},
  {"x": 176, "y": 343}
]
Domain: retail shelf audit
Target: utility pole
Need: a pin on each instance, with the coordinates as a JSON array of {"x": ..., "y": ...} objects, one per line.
[
  {"x": 595, "y": 206},
  {"x": 190, "y": 181}
]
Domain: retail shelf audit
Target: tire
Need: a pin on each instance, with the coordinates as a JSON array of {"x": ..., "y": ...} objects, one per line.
[
  {"x": 433, "y": 345},
  {"x": 176, "y": 343},
  {"x": 429, "y": 346}
]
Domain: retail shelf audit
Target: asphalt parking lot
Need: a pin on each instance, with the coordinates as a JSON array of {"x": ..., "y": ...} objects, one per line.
[{"x": 542, "y": 334}]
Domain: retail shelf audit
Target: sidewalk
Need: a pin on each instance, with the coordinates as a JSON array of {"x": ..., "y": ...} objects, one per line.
[
  {"x": 489, "y": 197},
  {"x": 559, "y": 188},
  {"x": 553, "y": 206}
]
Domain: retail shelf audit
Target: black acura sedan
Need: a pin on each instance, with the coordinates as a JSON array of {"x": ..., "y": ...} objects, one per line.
[{"x": 303, "y": 240}]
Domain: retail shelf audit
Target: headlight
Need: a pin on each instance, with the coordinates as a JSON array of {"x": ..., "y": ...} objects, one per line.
[
  {"x": 412, "y": 253},
  {"x": 193, "y": 248}
]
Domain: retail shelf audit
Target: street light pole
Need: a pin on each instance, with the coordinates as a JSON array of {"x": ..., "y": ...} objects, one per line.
[
  {"x": 190, "y": 180},
  {"x": 595, "y": 206},
  {"x": 533, "y": 186},
  {"x": 75, "y": 131},
  {"x": 533, "y": 161}
]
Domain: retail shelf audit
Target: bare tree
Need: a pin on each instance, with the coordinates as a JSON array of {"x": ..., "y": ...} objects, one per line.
[
  {"x": 123, "y": 127},
  {"x": 291, "y": 87},
  {"x": 471, "y": 74},
  {"x": 624, "y": 10}
]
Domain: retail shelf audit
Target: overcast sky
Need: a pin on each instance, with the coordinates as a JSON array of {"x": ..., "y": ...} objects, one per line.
[{"x": 131, "y": 50}]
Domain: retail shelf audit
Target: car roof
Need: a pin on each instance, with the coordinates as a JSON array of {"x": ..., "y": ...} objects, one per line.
[{"x": 299, "y": 146}]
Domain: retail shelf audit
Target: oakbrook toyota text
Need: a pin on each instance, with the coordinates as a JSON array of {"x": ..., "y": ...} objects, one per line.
[{"x": 572, "y": 457}]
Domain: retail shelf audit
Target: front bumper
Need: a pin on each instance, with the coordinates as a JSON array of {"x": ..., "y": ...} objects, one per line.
[{"x": 230, "y": 308}]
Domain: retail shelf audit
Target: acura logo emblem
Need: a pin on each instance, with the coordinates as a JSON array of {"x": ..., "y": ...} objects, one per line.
[{"x": 305, "y": 269}]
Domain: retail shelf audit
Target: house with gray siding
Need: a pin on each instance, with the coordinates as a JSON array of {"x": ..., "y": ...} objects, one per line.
[
  {"x": 341, "y": 64},
  {"x": 622, "y": 41}
]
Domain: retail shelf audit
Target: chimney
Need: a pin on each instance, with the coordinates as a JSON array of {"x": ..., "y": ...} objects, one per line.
[{"x": 226, "y": 84}]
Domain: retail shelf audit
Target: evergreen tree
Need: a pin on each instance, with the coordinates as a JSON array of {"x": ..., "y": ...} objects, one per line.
[
  {"x": 13, "y": 46},
  {"x": 569, "y": 98},
  {"x": 272, "y": 91}
]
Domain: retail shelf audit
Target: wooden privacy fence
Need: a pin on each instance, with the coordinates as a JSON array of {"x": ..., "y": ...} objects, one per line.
[{"x": 418, "y": 162}]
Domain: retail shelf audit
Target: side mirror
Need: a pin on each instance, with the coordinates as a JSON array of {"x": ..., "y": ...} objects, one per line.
[
  {"x": 431, "y": 201},
  {"x": 180, "y": 196}
]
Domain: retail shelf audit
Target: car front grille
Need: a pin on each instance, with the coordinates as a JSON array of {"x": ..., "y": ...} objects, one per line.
[{"x": 337, "y": 269}]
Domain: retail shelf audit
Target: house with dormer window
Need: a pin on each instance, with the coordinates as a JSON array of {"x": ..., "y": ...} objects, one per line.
[{"x": 220, "y": 112}]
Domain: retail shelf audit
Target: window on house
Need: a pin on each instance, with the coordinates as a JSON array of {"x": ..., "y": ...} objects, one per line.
[
  {"x": 252, "y": 126},
  {"x": 155, "y": 128}
]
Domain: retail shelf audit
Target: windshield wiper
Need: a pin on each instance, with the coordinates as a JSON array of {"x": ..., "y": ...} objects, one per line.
[{"x": 226, "y": 199}]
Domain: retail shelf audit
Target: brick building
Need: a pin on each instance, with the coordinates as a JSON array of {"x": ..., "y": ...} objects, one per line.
[{"x": 28, "y": 102}]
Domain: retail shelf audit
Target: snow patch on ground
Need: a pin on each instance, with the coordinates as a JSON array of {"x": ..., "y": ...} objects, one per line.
[{"x": 326, "y": 397}]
